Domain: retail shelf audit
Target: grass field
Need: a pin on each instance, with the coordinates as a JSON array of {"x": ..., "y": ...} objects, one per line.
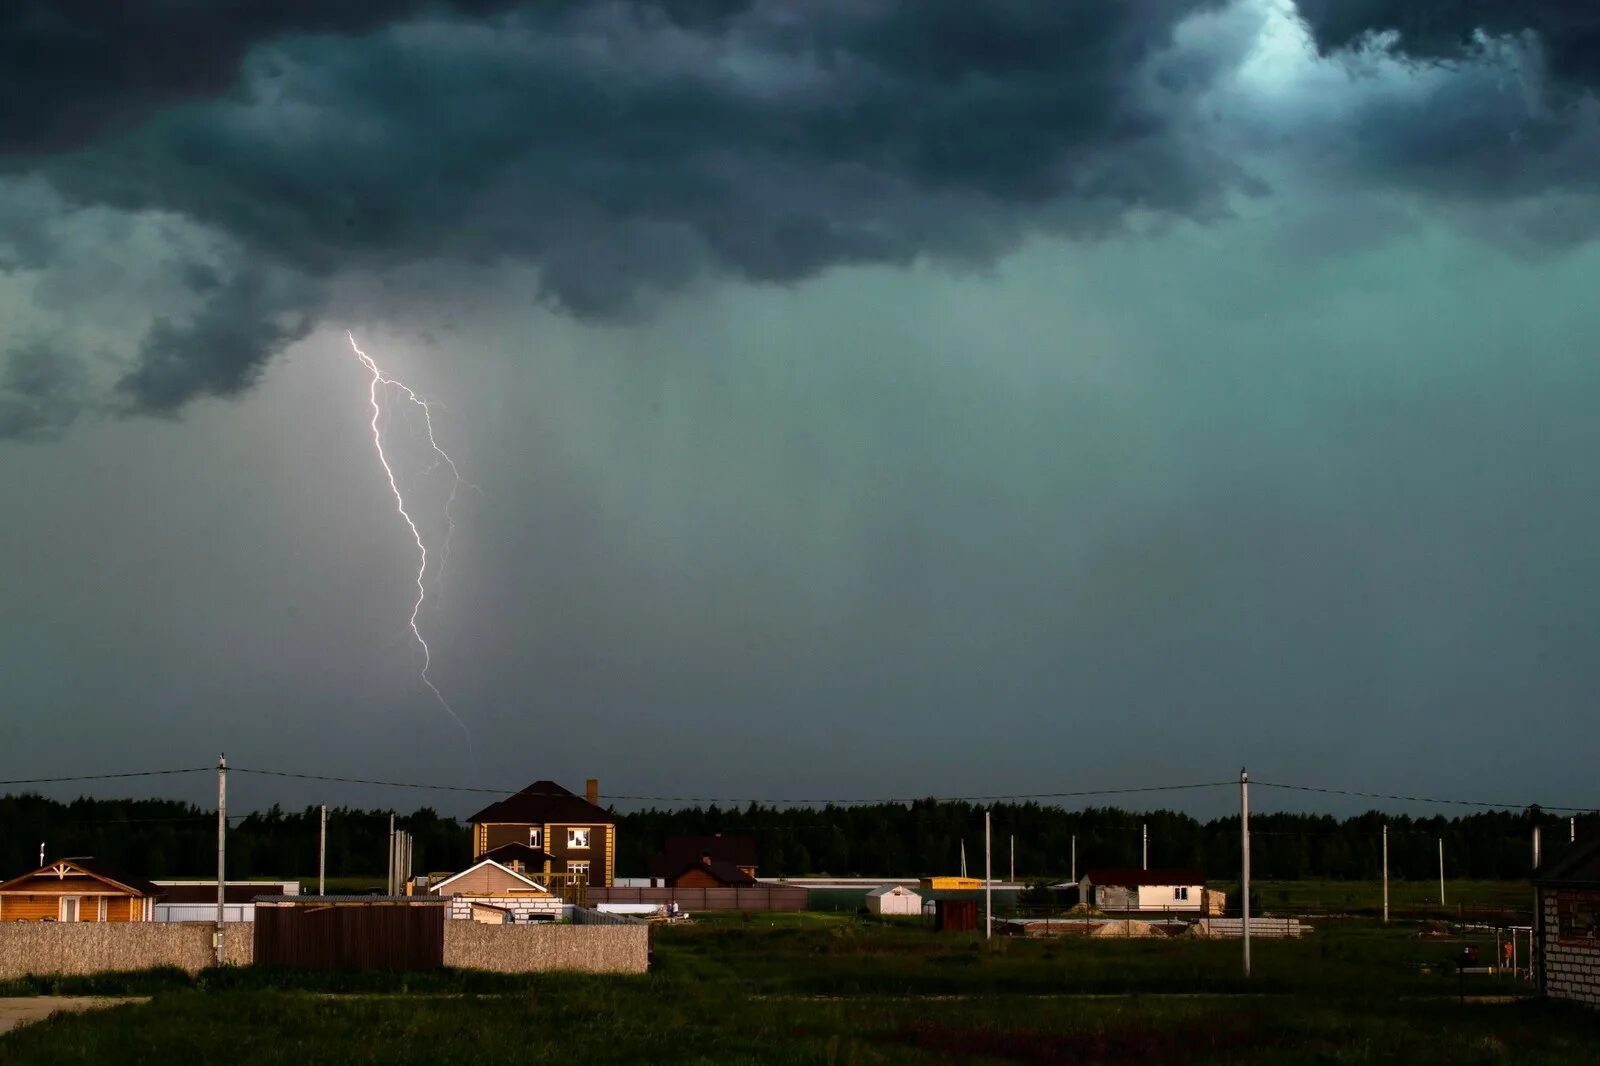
[
  {"x": 1414, "y": 898},
  {"x": 836, "y": 989}
]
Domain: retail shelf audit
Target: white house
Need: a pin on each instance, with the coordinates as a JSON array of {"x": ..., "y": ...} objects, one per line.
[
  {"x": 1566, "y": 926},
  {"x": 488, "y": 884},
  {"x": 1143, "y": 890},
  {"x": 893, "y": 899}
]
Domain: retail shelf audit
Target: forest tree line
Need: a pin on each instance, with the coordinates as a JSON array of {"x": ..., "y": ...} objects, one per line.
[{"x": 171, "y": 839}]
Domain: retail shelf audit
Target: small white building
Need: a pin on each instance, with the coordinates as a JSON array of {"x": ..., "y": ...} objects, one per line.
[
  {"x": 893, "y": 899},
  {"x": 1143, "y": 890},
  {"x": 490, "y": 885}
]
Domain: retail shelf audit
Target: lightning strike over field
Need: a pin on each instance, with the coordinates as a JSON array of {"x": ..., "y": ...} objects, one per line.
[{"x": 440, "y": 456}]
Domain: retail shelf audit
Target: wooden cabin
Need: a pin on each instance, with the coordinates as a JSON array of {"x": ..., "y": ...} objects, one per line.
[
  {"x": 578, "y": 836},
  {"x": 77, "y": 890}
]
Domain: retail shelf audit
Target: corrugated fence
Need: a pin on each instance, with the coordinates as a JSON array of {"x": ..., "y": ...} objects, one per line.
[{"x": 756, "y": 898}]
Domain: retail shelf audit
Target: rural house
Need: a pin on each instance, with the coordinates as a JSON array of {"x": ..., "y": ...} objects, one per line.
[
  {"x": 487, "y": 884},
  {"x": 77, "y": 890},
  {"x": 576, "y": 833},
  {"x": 715, "y": 861},
  {"x": 1142, "y": 890},
  {"x": 1566, "y": 930}
]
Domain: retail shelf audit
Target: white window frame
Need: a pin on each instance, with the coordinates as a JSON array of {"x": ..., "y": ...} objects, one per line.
[
  {"x": 100, "y": 914},
  {"x": 578, "y": 838},
  {"x": 536, "y": 838},
  {"x": 77, "y": 909},
  {"x": 1181, "y": 892},
  {"x": 579, "y": 866}
]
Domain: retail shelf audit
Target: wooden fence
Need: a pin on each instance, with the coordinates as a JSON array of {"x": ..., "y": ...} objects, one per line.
[
  {"x": 355, "y": 936},
  {"x": 755, "y": 898}
]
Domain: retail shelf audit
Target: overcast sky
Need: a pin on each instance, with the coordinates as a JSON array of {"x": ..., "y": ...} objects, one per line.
[{"x": 864, "y": 398}]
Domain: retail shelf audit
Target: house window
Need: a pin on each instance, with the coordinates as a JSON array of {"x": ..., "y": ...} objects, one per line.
[
  {"x": 69, "y": 908},
  {"x": 579, "y": 866},
  {"x": 578, "y": 838},
  {"x": 1181, "y": 892},
  {"x": 536, "y": 838}
]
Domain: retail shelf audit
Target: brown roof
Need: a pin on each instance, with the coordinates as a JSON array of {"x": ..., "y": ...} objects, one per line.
[
  {"x": 1129, "y": 878},
  {"x": 724, "y": 872},
  {"x": 682, "y": 852},
  {"x": 104, "y": 871},
  {"x": 541, "y": 802},
  {"x": 203, "y": 892}
]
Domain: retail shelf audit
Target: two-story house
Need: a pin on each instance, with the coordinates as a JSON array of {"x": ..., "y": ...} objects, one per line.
[{"x": 575, "y": 834}]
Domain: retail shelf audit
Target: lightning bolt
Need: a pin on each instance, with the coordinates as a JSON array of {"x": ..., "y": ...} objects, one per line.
[{"x": 378, "y": 377}]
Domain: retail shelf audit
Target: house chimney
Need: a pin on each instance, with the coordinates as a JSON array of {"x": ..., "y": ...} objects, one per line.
[{"x": 591, "y": 790}]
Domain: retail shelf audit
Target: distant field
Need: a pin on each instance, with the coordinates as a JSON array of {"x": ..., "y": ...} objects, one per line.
[
  {"x": 1416, "y": 898},
  {"x": 833, "y": 988}
]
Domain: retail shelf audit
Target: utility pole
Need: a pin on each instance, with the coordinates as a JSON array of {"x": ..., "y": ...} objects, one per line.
[
  {"x": 963, "y": 857},
  {"x": 1536, "y": 847},
  {"x": 1244, "y": 874},
  {"x": 1013, "y": 858},
  {"x": 1144, "y": 851},
  {"x": 41, "y": 854},
  {"x": 389, "y": 885},
  {"x": 988, "y": 888},
  {"x": 322, "y": 852},
  {"x": 1386, "y": 872},
  {"x": 222, "y": 846},
  {"x": 1075, "y": 858},
  {"x": 1572, "y": 830},
  {"x": 1441, "y": 871}
]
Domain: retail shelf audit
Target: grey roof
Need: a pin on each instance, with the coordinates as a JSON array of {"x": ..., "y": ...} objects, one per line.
[{"x": 1577, "y": 865}]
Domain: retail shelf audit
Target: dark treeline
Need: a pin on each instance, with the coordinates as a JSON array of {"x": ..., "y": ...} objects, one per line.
[{"x": 165, "y": 838}]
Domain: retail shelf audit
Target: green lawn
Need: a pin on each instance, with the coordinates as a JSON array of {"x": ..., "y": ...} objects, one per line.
[{"x": 837, "y": 989}]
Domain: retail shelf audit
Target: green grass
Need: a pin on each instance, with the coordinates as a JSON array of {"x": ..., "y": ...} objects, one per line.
[
  {"x": 1411, "y": 898},
  {"x": 832, "y": 988}
]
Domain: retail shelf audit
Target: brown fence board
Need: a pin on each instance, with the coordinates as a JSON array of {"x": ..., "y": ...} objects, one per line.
[
  {"x": 756, "y": 898},
  {"x": 357, "y": 937}
]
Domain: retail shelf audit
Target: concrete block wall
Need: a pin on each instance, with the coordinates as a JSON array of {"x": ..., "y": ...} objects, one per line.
[
  {"x": 538, "y": 948},
  {"x": 1571, "y": 971},
  {"x": 64, "y": 948}
]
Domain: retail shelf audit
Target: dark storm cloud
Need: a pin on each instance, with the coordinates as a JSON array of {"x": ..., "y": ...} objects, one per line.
[
  {"x": 626, "y": 149},
  {"x": 1507, "y": 113},
  {"x": 243, "y": 320},
  {"x": 41, "y": 391},
  {"x": 73, "y": 69},
  {"x": 1567, "y": 31}
]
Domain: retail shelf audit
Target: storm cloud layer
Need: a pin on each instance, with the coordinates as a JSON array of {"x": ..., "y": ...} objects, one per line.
[{"x": 627, "y": 150}]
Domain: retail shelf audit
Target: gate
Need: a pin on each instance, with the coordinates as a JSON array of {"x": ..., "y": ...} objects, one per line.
[{"x": 322, "y": 934}]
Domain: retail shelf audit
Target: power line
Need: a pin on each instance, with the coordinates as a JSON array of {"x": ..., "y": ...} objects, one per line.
[
  {"x": 1420, "y": 799},
  {"x": 729, "y": 799},
  {"x": 105, "y": 777}
]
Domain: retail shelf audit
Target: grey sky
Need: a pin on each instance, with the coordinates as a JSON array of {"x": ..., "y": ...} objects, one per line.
[{"x": 1259, "y": 433}]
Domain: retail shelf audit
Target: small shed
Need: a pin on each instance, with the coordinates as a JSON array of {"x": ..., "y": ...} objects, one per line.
[
  {"x": 1567, "y": 924},
  {"x": 893, "y": 899},
  {"x": 488, "y": 883}
]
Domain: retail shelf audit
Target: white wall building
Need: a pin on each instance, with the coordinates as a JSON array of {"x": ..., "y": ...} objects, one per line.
[
  {"x": 893, "y": 899},
  {"x": 1143, "y": 890}
]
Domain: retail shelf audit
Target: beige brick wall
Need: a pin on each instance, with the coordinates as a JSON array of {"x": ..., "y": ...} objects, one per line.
[
  {"x": 1571, "y": 971},
  {"x": 541, "y": 948},
  {"x": 96, "y": 947}
]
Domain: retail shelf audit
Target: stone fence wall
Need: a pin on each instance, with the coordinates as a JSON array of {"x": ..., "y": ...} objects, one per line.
[
  {"x": 538, "y": 948},
  {"x": 101, "y": 947}
]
